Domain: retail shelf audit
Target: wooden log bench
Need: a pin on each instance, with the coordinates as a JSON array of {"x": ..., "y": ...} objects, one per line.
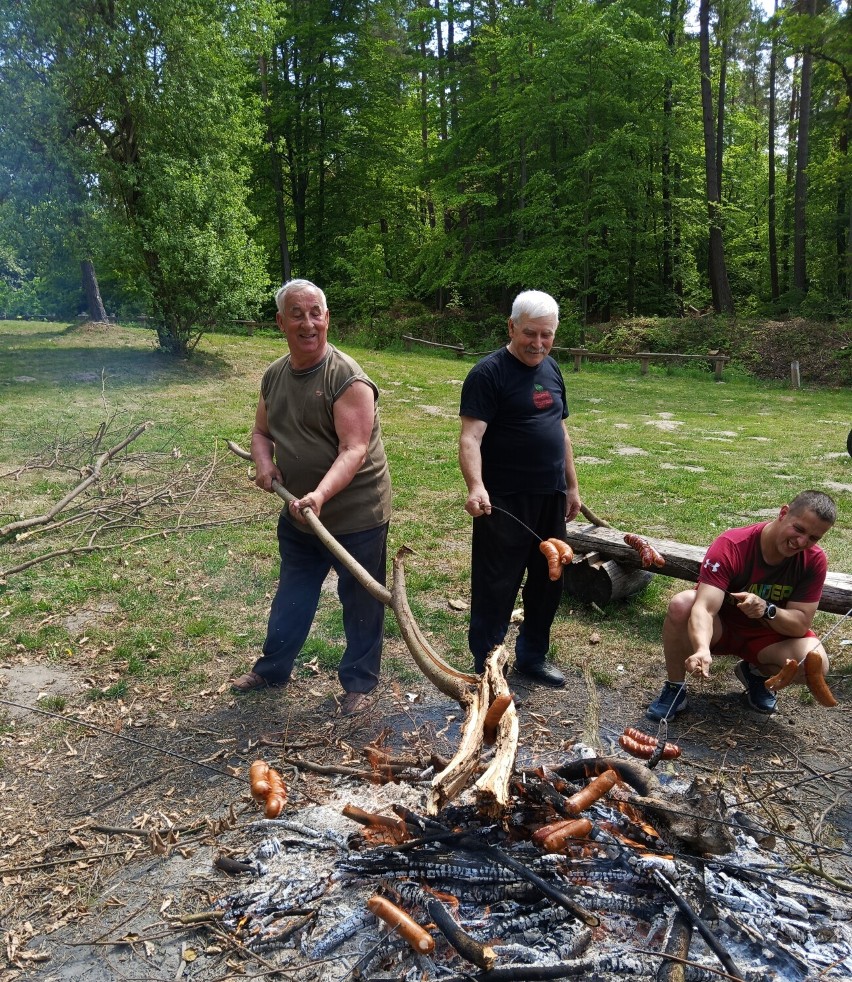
[
  {"x": 682, "y": 562},
  {"x": 718, "y": 361}
]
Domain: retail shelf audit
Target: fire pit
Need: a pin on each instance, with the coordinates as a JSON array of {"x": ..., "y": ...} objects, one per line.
[{"x": 660, "y": 880}]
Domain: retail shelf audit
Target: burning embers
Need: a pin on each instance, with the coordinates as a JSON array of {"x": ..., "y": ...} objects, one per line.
[{"x": 587, "y": 875}]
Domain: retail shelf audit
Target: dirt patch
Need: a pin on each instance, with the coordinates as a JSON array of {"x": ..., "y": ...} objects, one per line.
[
  {"x": 110, "y": 834},
  {"x": 29, "y": 683}
]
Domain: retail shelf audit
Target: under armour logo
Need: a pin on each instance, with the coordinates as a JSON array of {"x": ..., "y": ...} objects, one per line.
[{"x": 713, "y": 567}]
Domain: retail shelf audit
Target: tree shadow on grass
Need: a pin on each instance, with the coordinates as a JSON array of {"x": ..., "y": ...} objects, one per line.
[{"x": 28, "y": 364}]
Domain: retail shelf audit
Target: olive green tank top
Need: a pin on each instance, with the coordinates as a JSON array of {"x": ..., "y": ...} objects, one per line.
[{"x": 300, "y": 415}]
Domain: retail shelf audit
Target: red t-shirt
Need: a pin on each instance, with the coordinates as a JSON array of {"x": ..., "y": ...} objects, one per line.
[{"x": 735, "y": 563}]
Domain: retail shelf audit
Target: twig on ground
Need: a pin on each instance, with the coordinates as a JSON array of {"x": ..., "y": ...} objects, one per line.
[{"x": 92, "y": 478}]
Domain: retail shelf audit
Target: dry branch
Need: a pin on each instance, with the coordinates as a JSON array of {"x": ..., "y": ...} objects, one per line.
[
  {"x": 93, "y": 477},
  {"x": 492, "y": 788},
  {"x": 131, "y": 503}
]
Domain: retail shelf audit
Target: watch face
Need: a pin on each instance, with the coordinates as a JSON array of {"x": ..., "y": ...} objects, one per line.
[{"x": 771, "y": 610}]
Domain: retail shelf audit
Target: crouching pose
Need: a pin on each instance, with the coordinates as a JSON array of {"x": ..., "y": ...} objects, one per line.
[{"x": 757, "y": 594}]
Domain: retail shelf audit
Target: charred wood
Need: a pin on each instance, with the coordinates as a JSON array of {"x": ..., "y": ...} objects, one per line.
[{"x": 481, "y": 955}]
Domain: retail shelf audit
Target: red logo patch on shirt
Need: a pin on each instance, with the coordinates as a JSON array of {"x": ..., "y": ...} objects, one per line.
[{"x": 542, "y": 399}]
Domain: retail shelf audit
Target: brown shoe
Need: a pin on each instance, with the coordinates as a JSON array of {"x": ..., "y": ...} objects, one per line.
[
  {"x": 354, "y": 703},
  {"x": 248, "y": 683}
]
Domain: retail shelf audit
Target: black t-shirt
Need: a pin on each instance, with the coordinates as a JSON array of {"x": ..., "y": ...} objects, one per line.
[{"x": 523, "y": 449}]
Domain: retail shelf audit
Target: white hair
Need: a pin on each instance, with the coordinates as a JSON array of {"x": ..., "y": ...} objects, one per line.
[
  {"x": 296, "y": 286},
  {"x": 534, "y": 303}
]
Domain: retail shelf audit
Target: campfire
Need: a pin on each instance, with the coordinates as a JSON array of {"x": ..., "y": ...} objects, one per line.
[{"x": 598, "y": 868}]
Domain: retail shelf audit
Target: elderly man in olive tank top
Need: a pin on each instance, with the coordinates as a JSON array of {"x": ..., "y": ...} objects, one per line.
[{"x": 317, "y": 433}]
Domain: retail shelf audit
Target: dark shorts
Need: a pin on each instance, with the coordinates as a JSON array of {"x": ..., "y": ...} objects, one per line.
[{"x": 745, "y": 643}]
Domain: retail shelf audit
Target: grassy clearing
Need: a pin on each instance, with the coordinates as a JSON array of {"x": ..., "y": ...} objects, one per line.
[{"x": 672, "y": 454}]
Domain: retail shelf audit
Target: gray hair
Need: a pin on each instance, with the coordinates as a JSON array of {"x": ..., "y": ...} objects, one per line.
[
  {"x": 534, "y": 303},
  {"x": 816, "y": 501},
  {"x": 296, "y": 286}
]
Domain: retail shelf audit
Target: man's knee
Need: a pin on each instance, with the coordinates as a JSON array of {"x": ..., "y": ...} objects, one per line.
[{"x": 680, "y": 607}]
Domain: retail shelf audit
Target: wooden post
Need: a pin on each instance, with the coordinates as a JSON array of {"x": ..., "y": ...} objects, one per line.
[
  {"x": 795, "y": 379},
  {"x": 460, "y": 351},
  {"x": 718, "y": 364},
  {"x": 578, "y": 360},
  {"x": 643, "y": 357},
  {"x": 407, "y": 341}
]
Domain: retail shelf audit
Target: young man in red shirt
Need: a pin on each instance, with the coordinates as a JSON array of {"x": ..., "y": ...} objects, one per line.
[{"x": 758, "y": 591}]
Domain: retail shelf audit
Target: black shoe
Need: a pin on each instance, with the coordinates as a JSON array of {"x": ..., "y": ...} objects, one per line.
[
  {"x": 543, "y": 673},
  {"x": 759, "y": 697}
]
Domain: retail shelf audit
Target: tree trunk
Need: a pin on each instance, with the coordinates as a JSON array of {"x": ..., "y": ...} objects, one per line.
[
  {"x": 720, "y": 115},
  {"x": 800, "y": 269},
  {"x": 277, "y": 180},
  {"x": 773, "y": 244},
  {"x": 844, "y": 205},
  {"x": 665, "y": 176},
  {"x": 94, "y": 304},
  {"x": 787, "y": 215},
  {"x": 723, "y": 302},
  {"x": 442, "y": 84}
]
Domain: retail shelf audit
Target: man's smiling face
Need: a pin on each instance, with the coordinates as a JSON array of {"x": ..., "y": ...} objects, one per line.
[{"x": 304, "y": 323}]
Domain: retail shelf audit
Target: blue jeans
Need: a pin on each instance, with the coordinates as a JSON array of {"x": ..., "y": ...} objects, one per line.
[{"x": 305, "y": 563}]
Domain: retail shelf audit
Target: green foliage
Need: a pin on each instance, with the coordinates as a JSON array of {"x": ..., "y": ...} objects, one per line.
[
  {"x": 134, "y": 151},
  {"x": 447, "y": 154}
]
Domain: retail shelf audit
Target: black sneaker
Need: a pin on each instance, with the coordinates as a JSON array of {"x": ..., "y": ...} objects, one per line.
[
  {"x": 670, "y": 701},
  {"x": 544, "y": 673},
  {"x": 759, "y": 697}
]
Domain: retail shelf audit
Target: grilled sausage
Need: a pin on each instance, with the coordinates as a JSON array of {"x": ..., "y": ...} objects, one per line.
[
  {"x": 784, "y": 676},
  {"x": 419, "y": 938},
  {"x": 647, "y": 553},
  {"x": 636, "y": 748},
  {"x": 640, "y": 735},
  {"x": 595, "y": 789},
  {"x": 551, "y": 554},
  {"x": 493, "y": 717},
  {"x": 553, "y": 837},
  {"x": 816, "y": 680},
  {"x": 566, "y": 553},
  {"x": 258, "y": 778}
]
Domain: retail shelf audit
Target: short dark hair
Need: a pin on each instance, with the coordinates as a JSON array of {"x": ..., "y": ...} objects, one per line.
[{"x": 816, "y": 501}]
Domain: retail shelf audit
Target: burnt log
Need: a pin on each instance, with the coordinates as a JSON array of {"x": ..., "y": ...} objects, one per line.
[{"x": 594, "y": 580}]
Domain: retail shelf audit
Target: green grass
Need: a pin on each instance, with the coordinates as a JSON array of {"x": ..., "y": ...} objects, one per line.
[{"x": 672, "y": 455}]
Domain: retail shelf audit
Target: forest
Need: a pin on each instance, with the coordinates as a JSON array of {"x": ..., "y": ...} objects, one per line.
[{"x": 177, "y": 159}]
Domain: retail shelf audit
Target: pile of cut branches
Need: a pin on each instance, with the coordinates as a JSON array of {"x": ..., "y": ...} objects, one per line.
[{"x": 112, "y": 498}]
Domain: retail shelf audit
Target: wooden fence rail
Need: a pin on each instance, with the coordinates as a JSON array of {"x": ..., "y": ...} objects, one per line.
[
  {"x": 718, "y": 361},
  {"x": 458, "y": 348}
]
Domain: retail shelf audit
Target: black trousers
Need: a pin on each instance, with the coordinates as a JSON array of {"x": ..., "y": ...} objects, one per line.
[{"x": 502, "y": 552}]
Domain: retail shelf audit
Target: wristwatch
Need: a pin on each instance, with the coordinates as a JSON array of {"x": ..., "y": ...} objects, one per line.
[{"x": 770, "y": 612}]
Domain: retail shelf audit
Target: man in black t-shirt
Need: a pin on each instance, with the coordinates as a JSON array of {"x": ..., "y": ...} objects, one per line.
[{"x": 516, "y": 458}]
